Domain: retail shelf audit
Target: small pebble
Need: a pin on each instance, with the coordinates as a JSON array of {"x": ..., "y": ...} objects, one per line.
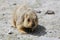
[
  {"x": 6, "y": 22},
  {"x": 10, "y": 33},
  {"x": 59, "y": 37},
  {"x": 11, "y": 26},
  {"x": 38, "y": 11},
  {"x": 18, "y": 38},
  {"x": 50, "y": 32},
  {"x": 3, "y": 14},
  {"x": 50, "y": 12},
  {"x": 14, "y": 4}
]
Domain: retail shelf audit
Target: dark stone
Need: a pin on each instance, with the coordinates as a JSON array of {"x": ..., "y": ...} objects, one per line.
[
  {"x": 18, "y": 38},
  {"x": 14, "y": 4},
  {"x": 38, "y": 11},
  {"x": 59, "y": 37},
  {"x": 3, "y": 14},
  {"x": 10, "y": 33},
  {"x": 50, "y": 32},
  {"x": 6, "y": 22},
  {"x": 50, "y": 12}
]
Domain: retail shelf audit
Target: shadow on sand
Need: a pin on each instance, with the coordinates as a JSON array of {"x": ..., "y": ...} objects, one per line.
[{"x": 40, "y": 30}]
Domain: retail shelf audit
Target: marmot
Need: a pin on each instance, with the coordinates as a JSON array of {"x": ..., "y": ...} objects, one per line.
[{"x": 24, "y": 17}]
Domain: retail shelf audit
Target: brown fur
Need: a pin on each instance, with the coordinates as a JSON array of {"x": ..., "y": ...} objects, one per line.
[{"x": 24, "y": 17}]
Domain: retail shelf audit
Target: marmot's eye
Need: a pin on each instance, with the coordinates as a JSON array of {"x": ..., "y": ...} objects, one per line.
[{"x": 28, "y": 20}]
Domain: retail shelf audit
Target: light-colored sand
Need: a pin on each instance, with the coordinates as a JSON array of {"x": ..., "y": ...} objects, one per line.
[{"x": 49, "y": 25}]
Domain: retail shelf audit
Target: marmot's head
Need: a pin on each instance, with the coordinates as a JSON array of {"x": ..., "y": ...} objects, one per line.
[{"x": 29, "y": 19}]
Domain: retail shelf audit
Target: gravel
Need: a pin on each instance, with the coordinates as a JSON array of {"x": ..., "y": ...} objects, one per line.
[{"x": 49, "y": 25}]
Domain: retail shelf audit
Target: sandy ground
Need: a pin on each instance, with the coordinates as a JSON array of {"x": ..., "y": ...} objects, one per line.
[{"x": 49, "y": 25}]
